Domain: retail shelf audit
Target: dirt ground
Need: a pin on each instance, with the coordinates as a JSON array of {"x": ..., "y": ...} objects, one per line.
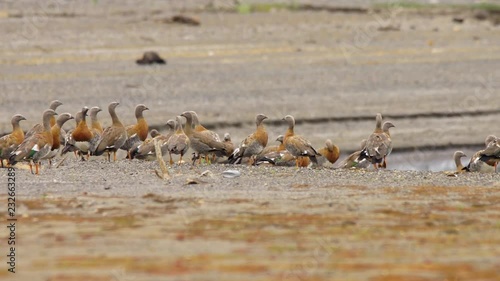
[{"x": 435, "y": 78}]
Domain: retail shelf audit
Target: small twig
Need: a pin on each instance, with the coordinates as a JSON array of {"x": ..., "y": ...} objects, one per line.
[
  {"x": 164, "y": 171},
  {"x": 62, "y": 160}
]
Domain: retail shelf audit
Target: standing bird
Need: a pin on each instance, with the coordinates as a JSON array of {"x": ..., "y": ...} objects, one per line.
[
  {"x": 253, "y": 144},
  {"x": 297, "y": 145},
  {"x": 330, "y": 153},
  {"x": 56, "y": 136},
  {"x": 355, "y": 160},
  {"x": 456, "y": 157},
  {"x": 379, "y": 144},
  {"x": 484, "y": 160},
  {"x": 10, "y": 142},
  {"x": 138, "y": 132},
  {"x": 179, "y": 142},
  {"x": 113, "y": 137},
  {"x": 95, "y": 127},
  {"x": 38, "y": 128},
  {"x": 203, "y": 142},
  {"x": 78, "y": 139},
  {"x": 35, "y": 147}
]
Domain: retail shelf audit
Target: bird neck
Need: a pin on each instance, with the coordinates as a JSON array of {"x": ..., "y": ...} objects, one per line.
[
  {"x": 288, "y": 133},
  {"x": 187, "y": 127},
  {"x": 56, "y": 133},
  {"x": 143, "y": 128},
  {"x": 458, "y": 163},
  {"x": 115, "y": 119},
  {"x": 96, "y": 125},
  {"x": 52, "y": 121},
  {"x": 17, "y": 132}
]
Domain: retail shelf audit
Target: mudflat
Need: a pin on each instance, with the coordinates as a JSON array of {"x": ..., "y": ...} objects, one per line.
[{"x": 435, "y": 77}]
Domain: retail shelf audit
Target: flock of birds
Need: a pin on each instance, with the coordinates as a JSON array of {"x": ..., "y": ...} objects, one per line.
[{"x": 47, "y": 140}]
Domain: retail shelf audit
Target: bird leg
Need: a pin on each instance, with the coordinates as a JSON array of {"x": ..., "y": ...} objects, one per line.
[
  {"x": 375, "y": 166},
  {"x": 180, "y": 159},
  {"x": 114, "y": 156},
  {"x": 384, "y": 164},
  {"x": 31, "y": 167},
  {"x": 1, "y": 160},
  {"x": 170, "y": 155},
  {"x": 50, "y": 163},
  {"x": 36, "y": 167}
]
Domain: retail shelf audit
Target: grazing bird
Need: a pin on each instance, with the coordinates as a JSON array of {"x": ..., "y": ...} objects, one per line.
[
  {"x": 179, "y": 142},
  {"x": 456, "y": 157},
  {"x": 297, "y": 145},
  {"x": 355, "y": 160},
  {"x": 203, "y": 142},
  {"x": 10, "y": 142},
  {"x": 56, "y": 132},
  {"x": 78, "y": 139},
  {"x": 484, "y": 161},
  {"x": 113, "y": 137},
  {"x": 38, "y": 128},
  {"x": 150, "y": 57},
  {"x": 379, "y": 144},
  {"x": 330, "y": 153},
  {"x": 279, "y": 156},
  {"x": 35, "y": 147},
  {"x": 138, "y": 132},
  {"x": 147, "y": 149},
  {"x": 253, "y": 144}
]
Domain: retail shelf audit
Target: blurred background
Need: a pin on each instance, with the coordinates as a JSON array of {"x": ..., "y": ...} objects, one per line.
[{"x": 431, "y": 67}]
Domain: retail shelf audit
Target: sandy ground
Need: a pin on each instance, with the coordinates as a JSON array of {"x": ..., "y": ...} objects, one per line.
[{"x": 437, "y": 80}]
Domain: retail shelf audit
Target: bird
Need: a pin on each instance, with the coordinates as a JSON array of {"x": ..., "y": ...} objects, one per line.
[
  {"x": 278, "y": 155},
  {"x": 35, "y": 147},
  {"x": 147, "y": 150},
  {"x": 56, "y": 136},
  {"x": 38, "y": 128},
  {"x": 330, "y": 153},
  {"x": 485, "y": 161},
  {"x": 355, "y": 160},
  {"x": 379, "y": 144},
  {"x": 228, "y": 144},
  {"x": 491, "y": 153},
  {"x": 179, "y": 142},
  {"x": 95, "y": 127},
  {"x": 113, "y": 137},
  {"x": 456, "y": 157},
  {"x": 297, "y": 145},
  {"x": 138, "y": 132},
  {"x": 10, "y": 142},
  {"x": 203, "y": 142},
  {"x": 150, "y": 57},
  {"x": 253, "y": 144},
  {"x": 78, "y": 139},
  {"x": 209, "y": 134}
]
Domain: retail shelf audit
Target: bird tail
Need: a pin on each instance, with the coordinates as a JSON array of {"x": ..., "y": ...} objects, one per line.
[
  {"x": 235, "y": 158},
  {"x": 314, "y": 159},
  {"x": 68, "y": 148}
]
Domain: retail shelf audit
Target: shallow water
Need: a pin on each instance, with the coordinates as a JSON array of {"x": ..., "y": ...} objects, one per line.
[{"x": 428, "y": 160}]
